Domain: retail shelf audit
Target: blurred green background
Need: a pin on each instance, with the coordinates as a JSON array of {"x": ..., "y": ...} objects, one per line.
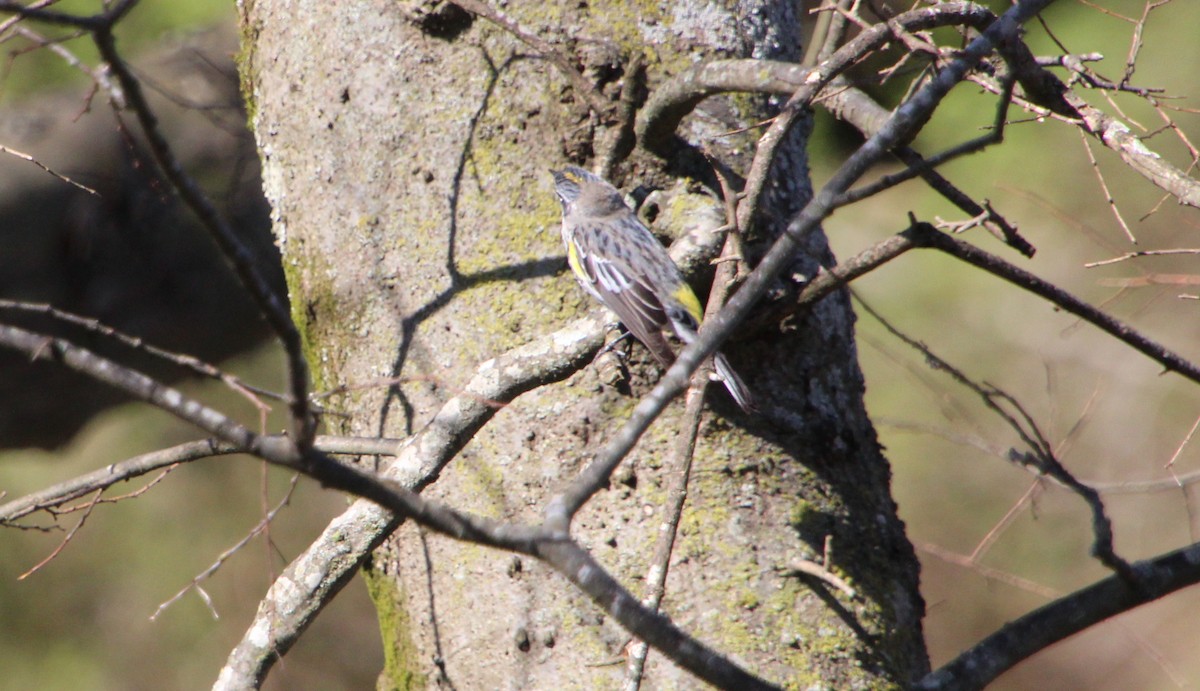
[
  {"x": 82, "y": 622},
  {"x": 1109, "y": 413}
]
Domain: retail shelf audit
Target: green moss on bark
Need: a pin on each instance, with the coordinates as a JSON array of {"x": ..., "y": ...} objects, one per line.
[{"x": 401, "y": 668}]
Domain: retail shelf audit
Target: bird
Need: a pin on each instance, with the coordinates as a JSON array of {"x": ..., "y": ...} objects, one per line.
[{"x": 616, "y": 260}]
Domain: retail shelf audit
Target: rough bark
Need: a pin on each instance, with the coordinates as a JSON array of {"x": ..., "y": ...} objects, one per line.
[{"x": 405, "y": 163}]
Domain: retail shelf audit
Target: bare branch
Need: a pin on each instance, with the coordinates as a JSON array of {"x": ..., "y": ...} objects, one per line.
[
  {"x": 920, "y": 165},
  {"x": 672, "y": 101},
  {"x": 245, "y": 264},
  {"x": 680, "y": 464},
  {"x": 1171, "y": 361},
  {"x": 316, "y": 576},
  {"x": 548, "y": 544},
  {"x": 842, "y": 100},
  {"x": 183, "y": 360},
  {"x": 97, "y": 22},
  {"x": 683, "y": 452},
  {"x": 106, "y": 477},
  {"x": 572, "y": 561},
  {"x": 281, "y": 451},
  {"x": 1064, "y": 617},
  {"x": 130, "y": 381},
  {"x": 110, "y": 475},
  {"x": 1039, "y": 454},
  {"x": 1047, "y": 90},
  {"x": 310, "y": 581}
]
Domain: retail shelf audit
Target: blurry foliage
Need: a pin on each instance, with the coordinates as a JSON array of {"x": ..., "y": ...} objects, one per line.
[
  {"x": 149, "y": 23},
  {"x": 1106, "y": 409},
  {"x": 83, "y": 620}
]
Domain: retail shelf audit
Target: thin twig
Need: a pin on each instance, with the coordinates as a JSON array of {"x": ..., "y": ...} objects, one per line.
[
  {"x": 1140, "y": 253},
  {"x": 1005, "y": 521},
  {"x": 110, "y": 475},
  {"x": 1179, "y": 449},
  {"x": 98, "y": 75},
  {"x": 63, "y": 492},
  {"x": 992, "y": 574},
  {"x": 1108, "y": 197},
  {"x": 822, "y": 572},
  {"x": 224, "y": 556},
  {"x": 14, "y": 20},
  {"x": 96, "y": 22},
  {"x": 189, "y": 362},
  {"x": 1038, "y": 456},
  {"x": 65, "y": 541},
  {"x": 683, "y": 452},
  {"x": 39, "y": 164}
]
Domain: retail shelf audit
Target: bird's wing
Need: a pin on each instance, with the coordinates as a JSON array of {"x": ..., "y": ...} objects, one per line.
[{"x": 623, "y": 289}]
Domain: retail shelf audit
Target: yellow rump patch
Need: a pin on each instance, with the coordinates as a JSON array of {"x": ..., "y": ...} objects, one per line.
[
  {"x": 573, "y": 262},
  {"x": 685, "y": 295}
]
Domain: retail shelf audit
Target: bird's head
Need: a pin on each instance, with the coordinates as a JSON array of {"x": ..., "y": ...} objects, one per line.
[{"x": 579, "y": 190}]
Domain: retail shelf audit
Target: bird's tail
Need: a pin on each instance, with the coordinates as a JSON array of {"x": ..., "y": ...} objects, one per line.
[{"x": 735, "y": 385}]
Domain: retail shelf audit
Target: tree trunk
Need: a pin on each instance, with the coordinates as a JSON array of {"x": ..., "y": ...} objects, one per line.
[{"x": 405, "y": 150}]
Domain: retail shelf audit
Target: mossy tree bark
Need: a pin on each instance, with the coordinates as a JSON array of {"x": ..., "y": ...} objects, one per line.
[{"x": 405, "y": 158}]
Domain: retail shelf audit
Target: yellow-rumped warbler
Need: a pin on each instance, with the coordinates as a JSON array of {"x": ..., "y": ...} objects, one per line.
[{"x": 618, "y": 262}]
